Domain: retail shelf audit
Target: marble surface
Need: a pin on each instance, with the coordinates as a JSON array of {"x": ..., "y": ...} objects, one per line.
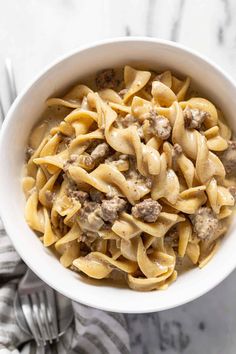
[{"x": 35, "y": 32}]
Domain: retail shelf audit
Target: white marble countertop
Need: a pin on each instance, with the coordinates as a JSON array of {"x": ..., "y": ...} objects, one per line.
[{"x": 35, "y": 32}]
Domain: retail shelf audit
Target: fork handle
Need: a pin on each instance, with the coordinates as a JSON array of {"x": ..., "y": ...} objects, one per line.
[{"x": 47, "y": 349}]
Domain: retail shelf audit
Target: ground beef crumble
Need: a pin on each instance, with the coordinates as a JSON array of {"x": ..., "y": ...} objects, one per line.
[
  {"x": 111, "y": 208},
  {"x": 148, "y": 210},
  {"x": 194, "y": 118},
  {"x": 79, "y": 195},
  {"x": 205, "y": 222},
  {"x": 96, "y": 195},
  {"x": 106, "y": 79},
  {"x": 159, "y": 125},
  {"x": 95, "y": 154},
  {"x": 228, "y": 158},
  {"x": 100, "y": 151},
  {"x": 72, "y": 191}
]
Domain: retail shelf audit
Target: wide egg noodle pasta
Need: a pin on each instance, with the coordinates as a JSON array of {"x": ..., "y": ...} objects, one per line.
[
  {"x": 207, "y": 164},
  {"x": 149, "y": 268},
  {"x": 72, "y": 99},
  {"x": 28, "y": 184},
  {"x": 110, "y": 96},
  {"x": 218, "y": 196},
  {"x": 158, "y": 229},
  {"x": 135, "y": 80},
  {"x": 140, "y": 107},
  {"x": 215, "y": 141},
  {"x": 128, "y": 142},
  {"x": 68, "y": 246},
  {"x": 48, "y": 187},
  {"x": 186, "y": 138},
  {"x": 129, "y": 248},
  {"x": 162, "y": 94},
  {"x": 185, "y": 233},
  {"x": 190, "y": 200},
  {"x": 137, "y": 165},
  {"x": 186, "y": 166},
  {"x": 104, "y": 178},
  {"x": 166, "y": 183},
  {"x": 32, "y": 215},
  {"x": 98, "y": 265}
]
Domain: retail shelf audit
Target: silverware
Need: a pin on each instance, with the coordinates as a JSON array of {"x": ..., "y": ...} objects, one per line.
[
  {"x": 40, "y": 312},
  {"x": 38, "y": 306}
]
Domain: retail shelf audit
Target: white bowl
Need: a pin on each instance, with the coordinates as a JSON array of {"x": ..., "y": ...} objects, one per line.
[{"x": 26, "y": 110}]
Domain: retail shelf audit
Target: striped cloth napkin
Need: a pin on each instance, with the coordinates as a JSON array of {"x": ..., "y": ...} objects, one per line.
[{"x": 93, "y": 331}]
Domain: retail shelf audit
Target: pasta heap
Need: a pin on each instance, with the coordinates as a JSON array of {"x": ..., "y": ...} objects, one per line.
[{"x": 133, "y": 179}]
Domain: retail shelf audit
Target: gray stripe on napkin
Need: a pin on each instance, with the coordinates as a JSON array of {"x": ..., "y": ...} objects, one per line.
[
  {"x": 120, "y": 346},
  {"x": 96, "y": 342}
]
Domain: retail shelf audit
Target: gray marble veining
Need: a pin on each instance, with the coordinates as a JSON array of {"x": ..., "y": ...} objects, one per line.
[
  {"x": 204, "y": 326},
  {"x": 177, "y": 21},
  {"x": 34, "y": 33},
  {"x": 150, "y": 17}
]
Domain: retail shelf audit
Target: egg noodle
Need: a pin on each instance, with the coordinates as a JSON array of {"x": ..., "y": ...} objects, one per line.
[{"x": 129, "y": 178}]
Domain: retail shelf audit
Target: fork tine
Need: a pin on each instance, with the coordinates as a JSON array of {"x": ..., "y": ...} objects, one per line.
[
  {"x": 27, "y": 311},
  {"x": 38, "y": 317},
  {"x": 44, "y": 315},
  {"x": 52, "y": 311},
  {"x": 48, "y": 316},
  {"x": 11, "y": 80}
]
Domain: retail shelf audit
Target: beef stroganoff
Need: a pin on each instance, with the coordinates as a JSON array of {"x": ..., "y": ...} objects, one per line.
[{"x": 134, "y": 176}]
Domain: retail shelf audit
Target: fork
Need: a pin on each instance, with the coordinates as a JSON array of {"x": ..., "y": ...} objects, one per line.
[{"x": 37, "y": 302}]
